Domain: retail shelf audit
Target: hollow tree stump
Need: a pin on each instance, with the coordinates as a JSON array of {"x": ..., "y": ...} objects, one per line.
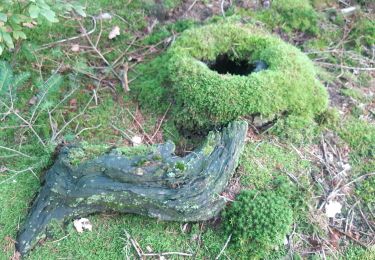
[{"x": 159, "y": 184}]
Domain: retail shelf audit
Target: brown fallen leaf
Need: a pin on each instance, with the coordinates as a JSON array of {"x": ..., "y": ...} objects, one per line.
[
  {"x": 114, "y": 32},
  {"x": 33, "y": 100},
  {"x": 16, "y": 256},
  {"x": 334, "y": 239},
  {"x": 73, "y": 105}
]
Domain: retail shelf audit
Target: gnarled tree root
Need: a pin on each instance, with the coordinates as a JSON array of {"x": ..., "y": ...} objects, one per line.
[{"x": 159, "y": 184}]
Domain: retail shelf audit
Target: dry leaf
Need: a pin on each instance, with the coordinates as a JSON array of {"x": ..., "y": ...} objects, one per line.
[
  {"x": 28, "y": 25},
  {"x": 82, "y": 224},
  {"x": 333, "y": 208},
  {"x": 114, "y": 32},
  {"x": 75, "y": 48}
]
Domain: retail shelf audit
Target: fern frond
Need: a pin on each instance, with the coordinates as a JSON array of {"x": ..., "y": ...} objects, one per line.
[
  {"x": 6, "y": 77},
  {"x": 19, "y": 80},
  {"x": 48, "y": 91}
]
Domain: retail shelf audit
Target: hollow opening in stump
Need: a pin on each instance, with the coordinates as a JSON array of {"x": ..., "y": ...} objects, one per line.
[{"x": 224, "y": 65}]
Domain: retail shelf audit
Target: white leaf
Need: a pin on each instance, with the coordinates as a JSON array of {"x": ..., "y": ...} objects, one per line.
[
  {"x": 114, "y": 32},
  {"x": 333, "y": 208},
  {"x": 82, "y": 224},
  {"x": 75, "y": 48},
  {"x": 104, "y": 16},
  {"x": 136, "y": 140}
]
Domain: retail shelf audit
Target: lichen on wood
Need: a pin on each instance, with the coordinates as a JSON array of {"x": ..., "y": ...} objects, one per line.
[{"x": 158, "y": 184}]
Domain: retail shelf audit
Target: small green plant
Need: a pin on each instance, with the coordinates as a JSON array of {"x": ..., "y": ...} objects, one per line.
[
  {"x": 258, "y": 221},
  {"x": 17, "y": 16}
]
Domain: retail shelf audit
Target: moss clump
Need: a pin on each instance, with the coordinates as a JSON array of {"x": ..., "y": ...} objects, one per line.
[
  {"x": 258, "y": 221},
  {"x": 203, "y": 98}
]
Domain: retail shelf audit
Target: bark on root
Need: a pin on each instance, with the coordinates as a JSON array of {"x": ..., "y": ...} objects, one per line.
[{"x": 159, "y": 184}]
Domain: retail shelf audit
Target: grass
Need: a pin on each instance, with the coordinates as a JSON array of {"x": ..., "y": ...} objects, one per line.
[
  {"x": 108, "y": 239},
  {"x": 263, "y": 163}
]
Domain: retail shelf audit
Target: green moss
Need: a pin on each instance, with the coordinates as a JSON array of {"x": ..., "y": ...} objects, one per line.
[
  {"x": 135, "y": 150},
  {"x": 291, "y": 15},
  {"x": 360, "y": 136},
  {"x": 86, "y": 152},
  {"x": 204, "y": 98},
  {"x": 329, "y": 118},
  {"x": 366, "y": 191},
  {"x": 363, "y": 33},
  {"x": 180, "y": 166},
  {"x": 354, "y": 252},
  {"x": 354, "y": 93},
  {"x": 261, "y": 162},
  {"x": 258, "y": 222}
]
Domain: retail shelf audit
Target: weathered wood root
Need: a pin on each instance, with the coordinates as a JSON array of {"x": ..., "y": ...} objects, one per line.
[{"x": 159, "y": 184}]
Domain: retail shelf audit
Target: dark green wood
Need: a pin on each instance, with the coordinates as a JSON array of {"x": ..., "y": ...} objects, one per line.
[{"x": 159, "y": 184}]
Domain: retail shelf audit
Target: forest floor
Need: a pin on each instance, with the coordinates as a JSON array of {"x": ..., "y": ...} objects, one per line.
[{"x": 79, "y": 91}]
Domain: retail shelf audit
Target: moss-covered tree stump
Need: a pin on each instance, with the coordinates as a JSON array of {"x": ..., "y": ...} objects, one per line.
[
  {"x": 216, "y": 73},
  {"x": 158, "y": 184}
]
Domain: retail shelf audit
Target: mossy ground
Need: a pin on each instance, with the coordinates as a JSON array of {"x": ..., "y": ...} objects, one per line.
[{"x": 266, "y": 158}]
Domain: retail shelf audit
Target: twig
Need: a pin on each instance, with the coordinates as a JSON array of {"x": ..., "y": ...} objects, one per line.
[
  {"x": 16, "y": 173},
  {"x": 88, "y": 128},
  {"x": 45, "y": 46},
  {"x": 53, "y": 138},
  {"x": 191, "y": 6},
  {"x": 167, "y": 253},
  {"x": 122, "y": 132},
  {"x": 100, "y": 54},
  {"x": 135, "y": 244},
  {"x": 344, "y": 67},
  {"x": 365, "y": 218},
  {"x": 359, "y": 178},
  {"x": 222, "y": 7},
  {"x": 161, "y": 121},
  {"x": 15, "y": 151},
  {"x": 140, "y": 126},
  {"x": 224, "y": 247},
  {"x": 349, "y": 236},
  {"x": 45, "y": 91},
  {"x": 12, "y": 110},
  {"x": 100, "y": 33},
  {"x": 126, "y": 82}
]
